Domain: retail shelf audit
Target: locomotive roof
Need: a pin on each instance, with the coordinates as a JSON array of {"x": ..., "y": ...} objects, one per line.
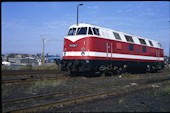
[{"x": 90, "y": 25}]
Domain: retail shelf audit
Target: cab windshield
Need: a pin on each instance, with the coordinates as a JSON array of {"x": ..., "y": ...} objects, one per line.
[
  {"x": 79, "y": 31},
  {"x": 82, "y": 31},
  {"x": 72, "y": 31}
]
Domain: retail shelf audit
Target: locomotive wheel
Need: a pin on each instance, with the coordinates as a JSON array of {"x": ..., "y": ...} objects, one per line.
[
  {"x": 148, "y": 68},
  {"x": 93, "y": 73},
  {"x": 108, "y": 73},
  {"x": 98, "y": 74},
  {"x": 154, "y": 69},
  {"x": 72, "y": 73}
]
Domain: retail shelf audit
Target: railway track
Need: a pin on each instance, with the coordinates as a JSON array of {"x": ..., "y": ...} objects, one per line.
[
  {"x": 29, "y": 76},
  {"x": 57, "y": 99},
  {"x": 29, "y": 72},
  {"x": 31, "y": 79},
  {"x": 23, "y": 80}
]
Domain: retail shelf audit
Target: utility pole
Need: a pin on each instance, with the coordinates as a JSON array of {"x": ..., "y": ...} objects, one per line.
[
  {"x": 43, "y": 51},
  {"x": 42, "y": 58},
  {"x": 169, "y": 45},
  {"x": 44, "y": 40}
]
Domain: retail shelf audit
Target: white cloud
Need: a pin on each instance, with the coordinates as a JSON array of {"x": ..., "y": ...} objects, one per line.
[
  {"x": 129, "y": 10},
  {"x": 119, "y": 11},
  {"x": 92, "y": 7},
  {"x": 15, "y": 24}
]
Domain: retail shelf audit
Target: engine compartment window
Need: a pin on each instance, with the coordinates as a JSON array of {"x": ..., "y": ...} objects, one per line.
[
  {"x": 142, "y": 41},
  {"x": 96, "y": 31},
  {"x": 117, "y": 36},
  {"x": 72, "y": 31},
  {"x": 129, "y": 38},
  {"x": 159, "y": 44},
  {"x": 82, "y": 31},
  {"x": 150, "y": 42}
]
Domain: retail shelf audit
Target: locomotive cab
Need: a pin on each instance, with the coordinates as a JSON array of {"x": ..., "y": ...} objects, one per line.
[{"x": 76, "y": 48}]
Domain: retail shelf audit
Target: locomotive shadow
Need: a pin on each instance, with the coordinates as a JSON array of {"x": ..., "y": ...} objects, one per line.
[
  {"x": 83, "y": 75},
  {"x": 114, "y": 74}
]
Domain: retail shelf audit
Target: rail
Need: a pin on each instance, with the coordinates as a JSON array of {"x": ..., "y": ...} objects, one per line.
[
  {"x": 84, "y": 94},
  {"x": 28, "y": 72}
]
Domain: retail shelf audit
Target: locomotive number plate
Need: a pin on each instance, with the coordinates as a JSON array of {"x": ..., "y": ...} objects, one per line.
[{"x": 73, "y": 45}]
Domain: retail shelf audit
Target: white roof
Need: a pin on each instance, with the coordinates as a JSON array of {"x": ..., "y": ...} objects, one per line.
[{"x": 135, "y": 38}]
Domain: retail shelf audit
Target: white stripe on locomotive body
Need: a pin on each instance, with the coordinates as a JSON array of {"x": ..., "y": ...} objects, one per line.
[
  {"x": 108, "y": 34},
  {"x": 113, "y": 55}
]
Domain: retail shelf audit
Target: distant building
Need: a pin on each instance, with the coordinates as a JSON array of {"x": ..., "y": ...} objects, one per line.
[
  {"x": 167, "y": 62},
  {"x": 6, "y": 63},
  {"x": 53, "y": 59},
  {"x": 29, "y": 60},
  {"x": 24, "y": 61}
]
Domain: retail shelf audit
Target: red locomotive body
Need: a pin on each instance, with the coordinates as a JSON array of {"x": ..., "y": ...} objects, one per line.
[{"x": 90, "y": 48}]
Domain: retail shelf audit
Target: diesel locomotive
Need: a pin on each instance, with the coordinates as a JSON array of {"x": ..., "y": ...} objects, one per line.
[{"x": 93, "y": 49}]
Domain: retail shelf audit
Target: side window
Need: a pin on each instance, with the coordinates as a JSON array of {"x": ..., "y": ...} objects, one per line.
[
  {"x": 150, "y": 42},
  {"x": 82, "y": 31},
  {"x": 96, "y": 31},
  {"x": 129, "y": 38},
  {"x": 90, "y": 31},
  {"x": 159, "y": 44},
  {"x": 142, "y": 41},
  {"x": 144, "y": 49},
  {"x": 131, "y": 47},
  {"x": 117, "y": 36}
]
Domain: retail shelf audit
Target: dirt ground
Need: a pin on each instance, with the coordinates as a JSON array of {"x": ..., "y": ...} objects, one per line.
[
  {"x": 10, "y": 91},
  {"x": 148, "y": 100},
  {"x": 153, "y": 99}
]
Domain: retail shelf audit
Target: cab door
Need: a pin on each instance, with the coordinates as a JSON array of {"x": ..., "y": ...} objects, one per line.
[
  {"x": 109, "y": 50},
  {"x": 157, "y": 54}
]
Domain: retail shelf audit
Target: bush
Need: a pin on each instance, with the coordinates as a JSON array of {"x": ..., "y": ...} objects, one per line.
[
  {"x": 27, "y": 67},
  {"x": 49, "y": 67}
]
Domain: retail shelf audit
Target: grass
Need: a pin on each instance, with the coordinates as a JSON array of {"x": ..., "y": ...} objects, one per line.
[
  {"x": 155, "y": 93},
  {"x": 121, "y": 101},
  {"x": 37, "y": 86},
  {"x": 7, "y": 108},
  {"x": 135, "y": 77},
  {"x": 27, "y": 67},
  {"x": 165, "y": 90},
  {"x": 4, "y": 90},
  {"x": 50, "y": 67},
  {"x": 30, "y": 67},
  {"x": 32, "y": 88},
  {"x": 117, "y": 82}
]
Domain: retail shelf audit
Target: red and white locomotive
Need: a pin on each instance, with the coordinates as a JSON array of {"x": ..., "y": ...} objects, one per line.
[{"x": 90, "y": 48}]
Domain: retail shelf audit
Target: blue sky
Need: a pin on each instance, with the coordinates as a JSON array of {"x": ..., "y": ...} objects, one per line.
[{"x": 22, "y": 23}]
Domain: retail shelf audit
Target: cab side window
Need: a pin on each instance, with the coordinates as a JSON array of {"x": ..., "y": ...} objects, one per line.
[{"x": 96, "y": 31}]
